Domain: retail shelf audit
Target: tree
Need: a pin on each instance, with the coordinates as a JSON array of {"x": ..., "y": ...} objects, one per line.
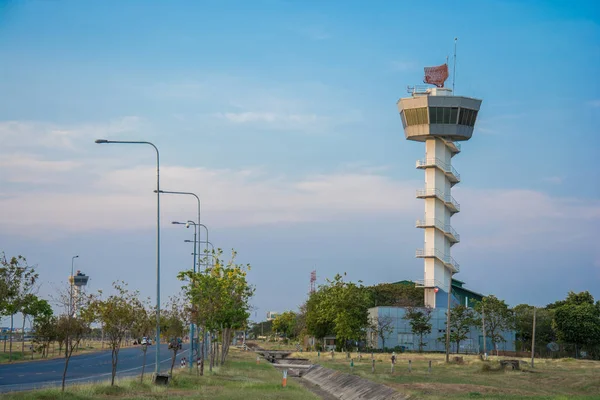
[
  {"x": 285, "y": 323},
  {"x": 544, "y": 333},
  {"x": 346, "y": 305},
  {"x": 45, "y": 332},
  {"x": 37, "y": 308},
  {"x": 577, "y": 320},
  {"x": 498, "y": 318},
  {"x": 117, "y": 314},
  {"x": 143, "y": 326},
  {"x": 318, "y": 324},
  {"x": 462, "y": 318},
  {"x": 382, "y": 326},
  {"x": 396, "y": 295},
  {"x": 220, "y": 300},
  {"x": 71, "y": 327},
  {"x": 173, "y": 327},
  {"x": 18, "y": 281},
  {"x": 420, "y": 322}
]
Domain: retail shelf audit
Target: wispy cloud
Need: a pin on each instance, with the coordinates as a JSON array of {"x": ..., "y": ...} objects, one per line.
[
  {"x": 404, "y": 66},
  {"x": 594, "y": 103},
  {"x": 557, "y": 180}
]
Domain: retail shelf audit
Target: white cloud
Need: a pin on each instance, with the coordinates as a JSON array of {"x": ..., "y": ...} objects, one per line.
[
  {"x": 29, "y": 168},
  {"x": 30, "y": 134}
]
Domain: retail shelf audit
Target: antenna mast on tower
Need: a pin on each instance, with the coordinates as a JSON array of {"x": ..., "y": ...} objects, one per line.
[{"x": 313, "y": 280}]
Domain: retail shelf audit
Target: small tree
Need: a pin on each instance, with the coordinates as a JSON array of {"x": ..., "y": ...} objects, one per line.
[
  {"x": 37, "y": 308},
  {"x": 462, "y": 318},
  {"x": 45, "y": 332},
  {"x": 419, "y": 320},
  {"x": 577, "y": 320},
  {"x": 71, "y": 327},
  {"x": 173, "y": 327},
  {"x": 285, "y": 323},
  {"x": 143, "y": 326},
  {"x": 382, "y": 326},
  {"x": 18, "y": 282},
  {"x": 498, "y": 318},
  {"x": 117, "y": 314}
]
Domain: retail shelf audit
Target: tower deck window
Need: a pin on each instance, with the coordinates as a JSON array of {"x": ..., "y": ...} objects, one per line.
[
  {"x": 467, "y": 117},
  {"x": 443, "y": 115},
  {"x": 416, "y": 116}
]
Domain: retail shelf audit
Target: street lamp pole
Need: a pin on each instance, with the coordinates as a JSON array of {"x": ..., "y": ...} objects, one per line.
[
  {"x": 71, "y": 305},
  {"x": 192, "y": 335},
  {"x": 157, "y": 191}
]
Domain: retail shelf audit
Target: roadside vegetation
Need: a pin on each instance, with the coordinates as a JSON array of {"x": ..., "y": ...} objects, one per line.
[{"x": 239, "y": 379}]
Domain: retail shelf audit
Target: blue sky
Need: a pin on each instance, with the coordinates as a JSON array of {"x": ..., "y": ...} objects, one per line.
[{"x": 281, "y": 115}]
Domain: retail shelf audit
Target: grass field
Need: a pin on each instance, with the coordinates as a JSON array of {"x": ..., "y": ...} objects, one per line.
[
  {"x": 550, "y": 379},
  {"x": 239, "y": 379}
]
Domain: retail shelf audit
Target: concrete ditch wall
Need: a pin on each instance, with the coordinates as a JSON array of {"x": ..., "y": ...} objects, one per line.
[{"x": 350, "y": 387}]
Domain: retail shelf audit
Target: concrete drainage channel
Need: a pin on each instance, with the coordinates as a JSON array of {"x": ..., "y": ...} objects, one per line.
[{"x": 328, "y": 383}]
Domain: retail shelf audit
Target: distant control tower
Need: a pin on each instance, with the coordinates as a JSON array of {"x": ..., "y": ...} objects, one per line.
[
  {"x": 435, "y": 116},
  {"x": 78, "y": 283}
]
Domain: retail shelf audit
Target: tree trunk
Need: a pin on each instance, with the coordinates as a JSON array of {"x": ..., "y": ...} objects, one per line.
[
  {"x": 145, "y": 348},
  {"x": 115, "y": 360},
  {"x": 173, "y": 359},
  {"x": 67, "y": 358},
  {"x": 212, "y": 355},
  {"x": 458, "y": 347},
  {"x": 11, "y": 337},
  {"x": 203, "y": 348}
]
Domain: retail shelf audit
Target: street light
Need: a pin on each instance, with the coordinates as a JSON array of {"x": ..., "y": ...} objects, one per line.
[
  {"x": 71, "y": 305},
  {"x": 197, "y": 199},
  {"x": 192, "y": 336},
  {"x": 157, "y": 191}
]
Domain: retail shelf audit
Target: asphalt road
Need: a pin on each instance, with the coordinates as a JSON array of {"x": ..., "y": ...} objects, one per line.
[{"x": 91, "y": 367}]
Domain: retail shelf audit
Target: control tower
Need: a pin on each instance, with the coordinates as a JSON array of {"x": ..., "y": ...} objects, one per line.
[
  {"x": 78, "y": 283},
  {"x": 434, "y": 116}
]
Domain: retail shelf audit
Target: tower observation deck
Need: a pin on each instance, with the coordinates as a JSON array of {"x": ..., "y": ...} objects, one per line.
[{"x": 439, "y": 119}]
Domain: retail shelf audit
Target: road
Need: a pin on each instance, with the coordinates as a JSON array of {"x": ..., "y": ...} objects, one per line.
[{"x": 91, "y": 367}]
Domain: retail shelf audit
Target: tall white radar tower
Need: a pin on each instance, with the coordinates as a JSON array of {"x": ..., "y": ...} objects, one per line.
[{"x": 435, "y": 116}]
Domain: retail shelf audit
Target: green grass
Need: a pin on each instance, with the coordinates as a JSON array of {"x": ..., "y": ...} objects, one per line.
[
  {"x": 550, "y": 379},
  {"x": 239, "y": 379}
]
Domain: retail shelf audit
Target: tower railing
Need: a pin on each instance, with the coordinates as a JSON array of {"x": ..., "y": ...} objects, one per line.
[
  {"x": 436, "y": 162},
  {"x": 446, "y": 259},
  {"x": 429, "y": 283},
  {"x": 449, "y": 230},
  {"x": 450, "y": 202}
]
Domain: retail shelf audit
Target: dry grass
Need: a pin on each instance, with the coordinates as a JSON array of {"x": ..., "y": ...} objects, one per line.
[{"x": 550, "y": 379}]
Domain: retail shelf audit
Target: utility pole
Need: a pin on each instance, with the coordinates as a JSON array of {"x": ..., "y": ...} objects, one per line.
[
  {"x": 448, "y": 322},
  {"x": 533, "y": 339},
  {"x": 483, "y": 328}
]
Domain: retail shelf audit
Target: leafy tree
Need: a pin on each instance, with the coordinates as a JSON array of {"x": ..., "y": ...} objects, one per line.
[
  {"x": 498, "y": 318},
  {"x": 462, "y": 318},
  {"x": 346, "y": 304},
  {"x": 577, "y": 320},
  {"x": 396, "y": 295},
  {"x": 285, "y": 323},
  {"x": 37, "y": 308},
  {"x": 45, "y": 332},
  {"x": 544, "y": 333},
  {"x": 382, "y": 326},
  {"x": 71, "y": 327},
  {"x": 261, "y": 328},
  {"x": 143, "y": 326},
  {"x": 420, "y": 322},
  {"x": 116, "y": 313},
  {"x": 173, "y": 327},
  {"x": 18, "y": 281},
  {"x": 220, "y": 299},
  {"x": 318, "y": 324}
]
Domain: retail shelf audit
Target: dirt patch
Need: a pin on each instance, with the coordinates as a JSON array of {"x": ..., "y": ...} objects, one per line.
[{"x": 454, "y": 388}]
